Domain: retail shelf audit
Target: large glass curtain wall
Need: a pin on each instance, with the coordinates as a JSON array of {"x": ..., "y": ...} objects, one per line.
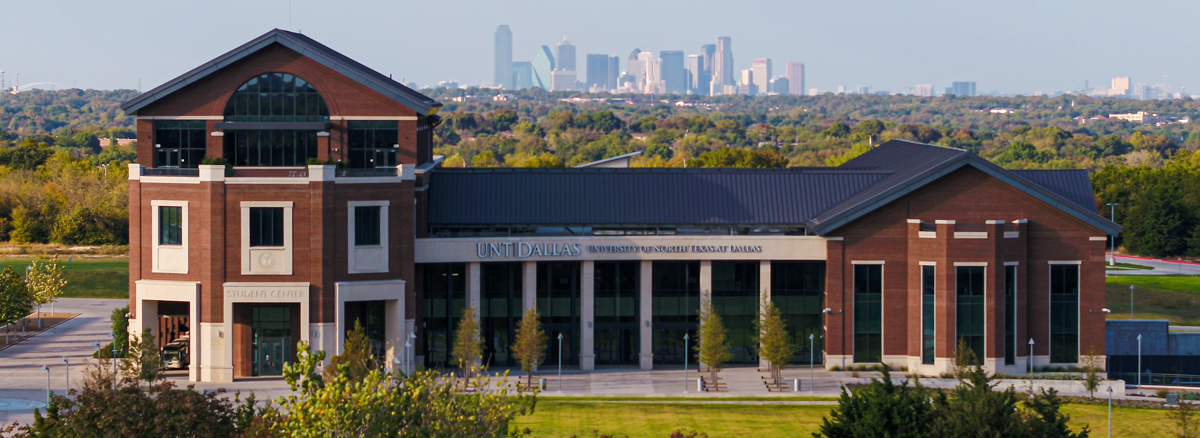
[
  {"x": 179, "y": 143},
  {"x": 735, "y": 298},
  {"x": 558, "y": 303},
  {"x": 442, "y": 305},
  {"x": 868, "y": 313},
  {"x": 274, "y": 98},
  {"x": 928, "y": 316},
  {"x": 675, "y": 310},
  {"x": 500, "y": 311},
  {"x": 373, "y": 144},
  {"x": 616, "y": 310},
  {"x": 1064, "y": 313},
  {"x": 797, "y": 290},
  {"x": 969, "y": 309}
]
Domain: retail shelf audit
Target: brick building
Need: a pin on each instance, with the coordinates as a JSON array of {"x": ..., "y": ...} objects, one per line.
[{"x": 895, "y": 257}]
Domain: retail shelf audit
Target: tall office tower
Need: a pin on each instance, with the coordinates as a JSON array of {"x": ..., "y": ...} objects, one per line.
[
  {"x": 543, "y": 64},
  {"x": 566, "y": 55},
  {"x": 962, "y": 89},
  {"x": 503, "y": 55},
  {"x": 597, "y": 72},
  {"x": 704, "y": 73},
  {"x": 1120, "y": 86},
  {"x": 923, "y": 90},
  {"x": 674, "y": 76},
  {"x": 614, "y": 71},
  {"x": 693, "y": 72},
  {"x": 762, "y": 74},
  {"x": 795, "y": 77},
  {"x": 779, "y": 85},
  {"x": 636, "y": 70},
  {"x": 651, "y": 80},
  {"x": 722, "y": 72},
  {"x": 522, "y": 75}
]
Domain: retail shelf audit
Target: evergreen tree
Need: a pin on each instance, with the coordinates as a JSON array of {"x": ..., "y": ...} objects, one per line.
[
  {"x": 773, "y": 344},
  {"x": 880, "y": 409},
  {"x": 530, "y": 345},
  {"x": 468, "y": 345},
  {"x": 357, "y": 359},
  {"x": 714, "y": 348}
]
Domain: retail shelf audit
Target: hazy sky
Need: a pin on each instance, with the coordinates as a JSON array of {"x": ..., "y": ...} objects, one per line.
[{"x": 1014, "y": 46}]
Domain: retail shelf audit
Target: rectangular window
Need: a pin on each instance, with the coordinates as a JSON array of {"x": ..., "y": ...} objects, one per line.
[
  {"x": 373, "y": 144},
  {"x": 1064, "y": 313},
  {"x": 266, "y": 226},
  {"x": 1010, "y": 315},
  {"x": 179, "y": 143},
  {"x": 170, "y": 225},
  {"x": 969, "y": 290},
  {"x": 868, "y": 313},
  {"x": 928, "y": 326},
  {"x": 366, "y": 225}
]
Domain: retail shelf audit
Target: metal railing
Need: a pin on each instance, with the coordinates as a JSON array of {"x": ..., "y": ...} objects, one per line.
[{"x": 1158, "y": 379}]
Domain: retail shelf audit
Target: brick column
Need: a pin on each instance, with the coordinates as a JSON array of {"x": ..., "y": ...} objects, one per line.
[{"x": 837, "y": 344}]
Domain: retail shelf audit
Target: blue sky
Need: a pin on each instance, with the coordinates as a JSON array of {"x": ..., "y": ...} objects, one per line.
[{"x": 1016, "y": 46}]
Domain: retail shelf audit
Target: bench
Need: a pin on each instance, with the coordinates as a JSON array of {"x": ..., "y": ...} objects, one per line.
[{"x": 714, "y": 385}]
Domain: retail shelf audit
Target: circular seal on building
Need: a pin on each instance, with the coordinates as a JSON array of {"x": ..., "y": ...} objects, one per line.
[{"x": 266, "y": 260}]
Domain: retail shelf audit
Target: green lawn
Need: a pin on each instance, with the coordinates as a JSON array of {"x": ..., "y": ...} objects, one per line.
[
  {"x": 1128, "y": 267},
  {"x": 87, "y": 277},
  {"x": 564, "y": 418},
  {"x": 1172, "y": 297}
]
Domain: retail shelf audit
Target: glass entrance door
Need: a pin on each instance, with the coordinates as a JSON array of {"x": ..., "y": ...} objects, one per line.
[
  {"x": 272, "y": 352},
  {"x": 558, "y": 303},
  {"x": 271, "y": 336},
  {"x": 616, "y": 347},
  {"x": 675, "y": 311},
  {"x": 616, "y": 304}
]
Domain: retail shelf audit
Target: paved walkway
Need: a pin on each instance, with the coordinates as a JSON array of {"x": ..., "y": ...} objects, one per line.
[
  {"x": 22, "y": 381},
  {"x": 1161, "y": 267}
]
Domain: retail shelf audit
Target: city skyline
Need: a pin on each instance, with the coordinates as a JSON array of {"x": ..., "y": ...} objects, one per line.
[{"x": 842, "y": 44}]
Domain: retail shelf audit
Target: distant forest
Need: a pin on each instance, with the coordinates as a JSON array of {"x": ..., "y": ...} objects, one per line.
[{"x": 1151, "y": 169}]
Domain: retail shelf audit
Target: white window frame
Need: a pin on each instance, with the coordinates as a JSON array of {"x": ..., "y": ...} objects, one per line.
[
  {"x": 155, "y": 245},
  {"x": 288, "y": 244},
  {"x": 380, "y": 251}
]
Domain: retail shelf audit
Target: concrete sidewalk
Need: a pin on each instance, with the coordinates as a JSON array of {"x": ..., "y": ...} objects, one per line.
[{"x": 22, "y": 381}]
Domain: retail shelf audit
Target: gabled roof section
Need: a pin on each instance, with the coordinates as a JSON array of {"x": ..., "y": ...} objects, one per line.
[
  {"x": 653, "y": 197},
  {"x": 306, "y": 46},
  {"x": 913, "y": 165}
]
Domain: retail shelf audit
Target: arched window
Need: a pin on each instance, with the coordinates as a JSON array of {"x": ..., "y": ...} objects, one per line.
[{"x": 273, "y": 120}]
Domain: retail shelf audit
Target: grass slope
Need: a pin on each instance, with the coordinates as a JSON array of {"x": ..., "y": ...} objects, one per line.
[
  {"x": 87, "y": 277},
  {"x": 1171, "y": 297},
  {"x": 561, "y": 418}
]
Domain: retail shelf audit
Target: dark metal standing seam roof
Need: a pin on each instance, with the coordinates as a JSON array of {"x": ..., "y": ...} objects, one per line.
[
  {"x": 1073, "y": 184},
  {"x": 637, "y": 196},
  {"x": 306, "y": 46}
]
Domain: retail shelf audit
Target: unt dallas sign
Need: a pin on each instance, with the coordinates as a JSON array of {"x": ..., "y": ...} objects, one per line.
[
  {"x": 666, "y": 248},
  {"x": 573, "y": 249}
]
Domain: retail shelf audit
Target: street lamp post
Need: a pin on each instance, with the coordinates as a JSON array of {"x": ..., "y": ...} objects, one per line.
[
  {"x": 1139, "y": 368},
  {"x": 46, "y": 368},
  {"x": 1109, "y": 412},
  {"x": 1031, "y": 365},
  {"x": 559, "y": 361},
  {"x": 68, "y": 365},
  {"x": 407, "y": 358},
  {"x": 412, "y": 357},
  {"x": 811, "y": 357},
  {"x": 1112, "y": 246},
  {"x": 686, "y": 353},
  {"x": 114, "y": 357}
]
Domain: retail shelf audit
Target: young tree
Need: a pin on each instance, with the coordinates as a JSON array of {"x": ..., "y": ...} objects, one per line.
[
  {"x": 1184, "y": 417},
  {"x": 146, "y": 363},
  {"x": 468, "y": 345},
  {"x": 356, "y": 357},
  {"x": 1093, "y": 365},
  {"x": 773, "y": 344},
  {"x": 45, "y": 281},
  {"x": 714, "y": 348},
  {"x": 964, "y": 360},
  {"x": 530, "y": 345},
  {"x": 16, "y": 301}
]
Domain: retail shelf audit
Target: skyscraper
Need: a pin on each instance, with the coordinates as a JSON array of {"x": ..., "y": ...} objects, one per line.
[
  {"x": 566, "y": 55},
  {"x": 651, "y": 80},
  {"x": 503, "y": 57},
  {"x": 693, "y": 67},
  {"x": 795, "y": 77},
  {"x": 674, "y": 76},
  {"x": 962, "y": 89},
  {"x": 614, "y": 70},
  {"x": 779, "y": 85},
  {"x": 636, "y": 69},
  {"x": 704, "y": 72},
  {"x": 762, "y": 74},
  {"x": 923, "y": 90},
  {"x": 746, "y": 85},
  {"x": 597, "y": 72},
  {"x": 1121, "y": 86},
  {"x": 723, "y": 73},
  {"x": 522, "y": 75},
  {"x": 543, "y": 64}
]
